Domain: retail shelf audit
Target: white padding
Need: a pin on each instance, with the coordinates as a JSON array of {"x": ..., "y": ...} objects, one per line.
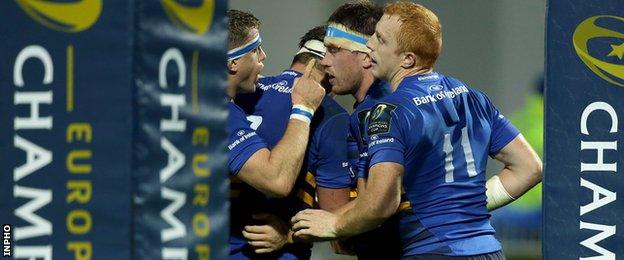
[{"x": 496, "y": 194}]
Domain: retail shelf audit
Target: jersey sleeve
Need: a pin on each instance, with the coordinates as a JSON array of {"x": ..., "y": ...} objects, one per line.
[
  {"x": 362, "y": 163},
  {"x": 385, "y": 138},
  {"x": 243, "y": 141},
  {"x": 329, "y": 153},
  {"x": 358, "y": 156},
  {"x": 353, "y": 153},
  {"x": 503, "y": 131}
]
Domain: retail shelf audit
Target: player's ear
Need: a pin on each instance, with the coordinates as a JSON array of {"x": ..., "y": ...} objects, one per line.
[
  {"x": 409, "y": 60},
  {"x": 232, "y": 66},
  {"x": 366, "y": 61}
]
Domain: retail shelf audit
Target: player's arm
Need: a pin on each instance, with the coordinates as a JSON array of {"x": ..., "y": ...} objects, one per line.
[
  {"x": 332, "y": 199},
  {"x": 361, "y": 189},
  {"x": 522, "y": 166},
  {"x": 383, "y": 188},
  {"x": 369, "y": 210},
  {"x": 275, "y": 234},
  {"x": 379, "y": 202},
  {"x": 333, "y": 178},
  {"x": 274, "y": 172},
  {"x": 346, "y": 207},
  {"x": 330, "y": 150},
  {"x": 522, "y": 170},
  {"x": 335, "y": 200},
  {"x": 361, "y": 185},
  {"x": 379, "y": 194},
  {"x": 337, "y": 245},
  {"x": 361, "y": 157}
]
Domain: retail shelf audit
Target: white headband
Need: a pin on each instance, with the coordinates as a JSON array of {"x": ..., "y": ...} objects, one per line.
[{"x": 315, "y": 47}]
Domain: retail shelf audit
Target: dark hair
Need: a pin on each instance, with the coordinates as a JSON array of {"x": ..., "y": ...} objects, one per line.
[
  {"x": 360, "y": 16},
  {"x": 240, "y": 23},
  {"x": 316, "y": 33}
]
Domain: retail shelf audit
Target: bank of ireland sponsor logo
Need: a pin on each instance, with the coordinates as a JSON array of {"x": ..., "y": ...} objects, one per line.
[{"x": 435, "y": 88}]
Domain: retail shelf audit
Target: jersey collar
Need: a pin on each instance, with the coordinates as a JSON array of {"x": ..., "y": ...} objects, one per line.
[
  {"x": 420, "y": 78},
  {"x": 293, "y": 73},
  {"x": 377, "y": 90}
]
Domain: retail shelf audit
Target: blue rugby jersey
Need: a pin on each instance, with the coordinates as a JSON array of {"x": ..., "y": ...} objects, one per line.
[
  {"x": 442, "y": 133},
  {"x": 357, "y": 126},
  {"x": 325, "y": 164},
  {"x": 382, "y": 242},
  {"x": 243, "y": 141}
]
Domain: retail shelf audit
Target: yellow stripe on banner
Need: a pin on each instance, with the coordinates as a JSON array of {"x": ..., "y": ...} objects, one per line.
[
  {"x": 310, "y": 179},
  {"x": 194, "y": 83},
  {"x": 307, "y": 198},
  {"x": 70, "y": 79},
  {"x": 405, "y": 205}
]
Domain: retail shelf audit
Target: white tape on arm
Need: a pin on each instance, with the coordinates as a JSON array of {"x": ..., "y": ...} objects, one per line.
[{"x": 496, "y": 194}]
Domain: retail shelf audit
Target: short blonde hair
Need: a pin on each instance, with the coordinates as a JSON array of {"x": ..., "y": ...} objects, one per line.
[{"x": 420, "y": 31}]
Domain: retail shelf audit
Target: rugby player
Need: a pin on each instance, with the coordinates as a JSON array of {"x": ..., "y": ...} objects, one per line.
[
  {"x": 325, "y": 173},
  {"x": 432, "y": 136},
  {"x": 350, "y": 71},
  {"x": 272, "y": 172}
]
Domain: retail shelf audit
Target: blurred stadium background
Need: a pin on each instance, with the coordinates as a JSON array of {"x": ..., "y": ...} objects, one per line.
[{"x": 494, "y": 46}]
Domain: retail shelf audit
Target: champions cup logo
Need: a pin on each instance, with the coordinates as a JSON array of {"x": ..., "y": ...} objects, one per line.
[
  {"x": 591, "y": 41},
  {"x": 196, "y": 19},
  {"x": 63, "y": 16},
  {"x": 377, "y": 113}
]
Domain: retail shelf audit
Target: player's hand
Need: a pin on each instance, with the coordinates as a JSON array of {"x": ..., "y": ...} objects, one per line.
[
  {"x": 267, "y": 238},
  {"x": 314, "y": 225},
  {"x": 307, "y": 90}
]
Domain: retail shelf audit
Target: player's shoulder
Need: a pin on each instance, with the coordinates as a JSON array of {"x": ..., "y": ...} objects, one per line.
[
  {"x": 281, "y": 83},
  {"x": 366, "y": 104},
  {"x": 388, "y": 107},
  {"x": 459, "y": 87},
  {"x": 236, "y": 113},
  {"x": 379, "y": 89},
  {"x": 395, "y": 102},
  {"x": 328, "y": 103},
  {"x": 234, "y": 108},
  {"x": 266, "y": 82},
  {"x": 329, "y": 111},
  {"x": 397, "y": 105}
]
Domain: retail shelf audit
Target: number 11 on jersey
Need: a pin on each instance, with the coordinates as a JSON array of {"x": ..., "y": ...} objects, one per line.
[{"x": 448, "y": 159}]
